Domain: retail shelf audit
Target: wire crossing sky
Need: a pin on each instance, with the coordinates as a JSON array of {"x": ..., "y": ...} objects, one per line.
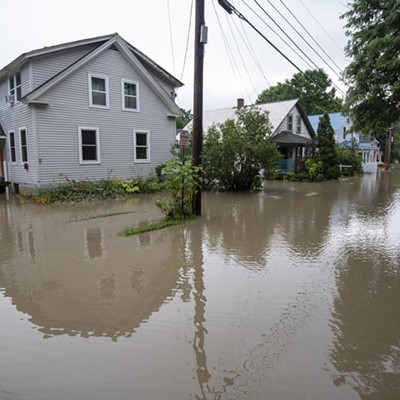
[{"x": 161, "y": 29}]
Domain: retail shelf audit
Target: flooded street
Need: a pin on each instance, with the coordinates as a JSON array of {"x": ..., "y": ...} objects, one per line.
[{"x": 292, "y": 293}]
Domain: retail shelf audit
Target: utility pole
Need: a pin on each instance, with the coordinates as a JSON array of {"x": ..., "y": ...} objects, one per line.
[
  {"x": 388, "y": 150},
  {"x": 200, "y": 41}
]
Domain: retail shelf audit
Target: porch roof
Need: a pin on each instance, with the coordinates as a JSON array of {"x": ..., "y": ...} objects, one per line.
[{"x": 286, "y": 137}]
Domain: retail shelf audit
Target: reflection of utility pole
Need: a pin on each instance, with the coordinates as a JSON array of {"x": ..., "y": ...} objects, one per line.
[
  {"x": 200, "y": 41},
  {"x": 388, "y": 149},
  {"x": 202, "y": 372}
]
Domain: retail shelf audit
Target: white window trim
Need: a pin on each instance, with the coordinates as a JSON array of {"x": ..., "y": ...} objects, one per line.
[
  {"x": 137, "y": 109},
  {"x": 290, "y": 129},
  {"x": 20, "y": 144},
  {"x": 15, "y": 89},
  {"x": 298, "y": 124},
  {"x": 107, "y": 106},
  {"x": 141, "y": 160},
  {"x": 89, "y": 128},
  {"x": 15, "y": 147}
]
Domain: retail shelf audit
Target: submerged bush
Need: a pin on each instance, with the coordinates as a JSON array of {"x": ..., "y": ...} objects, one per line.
[{"x": 85, "y": 190}]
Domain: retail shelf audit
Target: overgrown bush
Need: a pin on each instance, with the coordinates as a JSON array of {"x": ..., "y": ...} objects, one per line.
[
  {"x": 349, "y": 156},
  {"x": 237, "y": 151},
  {"x": 182, "y": 181},
  {"x": 85, "y": 190}
]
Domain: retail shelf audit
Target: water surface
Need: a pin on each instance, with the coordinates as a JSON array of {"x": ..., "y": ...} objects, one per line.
[{"x": 291, "y": 293}]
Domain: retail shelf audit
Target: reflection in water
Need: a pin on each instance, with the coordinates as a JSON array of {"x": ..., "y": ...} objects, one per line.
[
  {"x": 292, "y": 293},
  {"x": 94, "y": 242}
]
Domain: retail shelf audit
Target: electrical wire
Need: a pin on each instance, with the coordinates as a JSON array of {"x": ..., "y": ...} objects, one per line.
[
  {"x": 170, "y": 37},
  {"x": 231, "y": 9},
  {"x": 240, "y": 55},
  {"x": 310, "y": 64},
  {"x": 309, "y": 45},
  {"x": 309, "y": 34},
  {"x": 230, "y": 53},
  {"x": 250, "y": 49},
  {"x": 187, "y": 40}
]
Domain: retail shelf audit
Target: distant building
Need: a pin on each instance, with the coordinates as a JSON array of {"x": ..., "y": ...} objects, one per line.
[
  {"x": 291, "y": 129},
  {"x": 366, "y": 145}
]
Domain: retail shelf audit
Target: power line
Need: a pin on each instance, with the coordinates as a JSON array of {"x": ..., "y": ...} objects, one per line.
[
  {"x": 327, "y": 33},
  {"x": 241, "y": 57},
  {"x": 187, "y": 39},
  {"x": 229, "y": 8},
  {"x": 230, "y": 53},
  {"x": 250, "y": 49},
  {"x": 309, "y": 45},
  {"x": 313, "y": 63},
  {"x": 280, "y": 37},
  {"x": 291, "y": 13},
  {"x": 170, "y": 38}
]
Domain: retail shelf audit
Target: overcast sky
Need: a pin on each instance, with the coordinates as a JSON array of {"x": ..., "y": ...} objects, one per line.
[{"x": 238, "y": 62}]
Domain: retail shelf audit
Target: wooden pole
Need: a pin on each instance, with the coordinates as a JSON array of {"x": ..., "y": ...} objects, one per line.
[
  {"x": 198, "y": 96},
  {"x": 388, "y": 152}
]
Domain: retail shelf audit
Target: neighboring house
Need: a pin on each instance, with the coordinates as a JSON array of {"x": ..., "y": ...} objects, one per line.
[
  {"x": 366, "y": 146},
  {"x": 291, "y": 129},
  {"x": 88, "y": 109}
]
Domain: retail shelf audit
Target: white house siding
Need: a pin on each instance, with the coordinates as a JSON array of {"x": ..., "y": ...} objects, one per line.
[
  {"x": 45, "y": 67},
  {"x": 284, "y": 124},
  {"x": 57, "y": 125},
  {"x": 12, "y": 118}
]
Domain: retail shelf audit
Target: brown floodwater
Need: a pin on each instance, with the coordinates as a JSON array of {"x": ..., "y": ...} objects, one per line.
[{"x": 292, "y": 293}]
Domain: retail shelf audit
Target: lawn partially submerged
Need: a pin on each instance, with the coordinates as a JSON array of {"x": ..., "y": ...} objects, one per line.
[{"x": 154, "y": 226}]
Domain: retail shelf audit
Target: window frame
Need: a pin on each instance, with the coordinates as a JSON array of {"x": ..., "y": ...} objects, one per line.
[
  {"x": 298, "y": 124},
  {"x": 107, "y": 91},
  {"x": 12, "y": 149},
  {"x": 15, "y": 89},
  {"x": 135, "y": 145},
  {"x": 290, "y": 123},
  {"x": 22, "y": 147},
  {"x": 129, "y": 81},
  {"x": 97, "y": 132}
]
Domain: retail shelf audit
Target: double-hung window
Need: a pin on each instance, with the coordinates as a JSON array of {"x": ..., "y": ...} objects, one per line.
[
  {"x": 13, "y": 154},
  {"x": 141, "y": 144},
  {"x": 290, "y": 123},
  {"x": 15, "y": 86},
  {"x": 89, "y": 145},
  {"x": 98, "y": 91},
  {"x": 24, "y": 145},
  {"x": 298, "y": 124},
  {"x": 130, "y": 95}
]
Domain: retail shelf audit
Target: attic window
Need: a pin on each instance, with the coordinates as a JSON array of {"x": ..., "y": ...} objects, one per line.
[
  {"x": 98, "y": 91},
  {"x": 130, "y": 95},
  {"x": 15, "y": 87},
  {"x": 290, "y": 123},
  {"x": 298, "y": 125}
]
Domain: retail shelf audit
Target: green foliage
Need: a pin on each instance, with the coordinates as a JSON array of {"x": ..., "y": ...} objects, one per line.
[
  {"x": 373, "y": 75},
  {"x": 327, "y": 149},
  {"x": 313, "y": 99},
  {"x": 235, "y": 152},
  {"x": 315, "y": 172},
  {"x": 349, "y": 156},
  {"x": 182, "y": 181},
  {"x": 84, "y": 190},
  {"x": 187, "y": 116}
]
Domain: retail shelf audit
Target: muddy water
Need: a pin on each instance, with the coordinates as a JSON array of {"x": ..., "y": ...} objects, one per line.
[{"x": 292, "y": 293}]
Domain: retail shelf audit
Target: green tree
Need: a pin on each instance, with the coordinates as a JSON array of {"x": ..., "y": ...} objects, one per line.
[
  {"x": 187, "y": 116},
  {"x": 235, "y": 151},
  {"x": 312, "y": 98},
  {"x": 327, "y": 150},
  {"x": 373, "y": 75}
]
